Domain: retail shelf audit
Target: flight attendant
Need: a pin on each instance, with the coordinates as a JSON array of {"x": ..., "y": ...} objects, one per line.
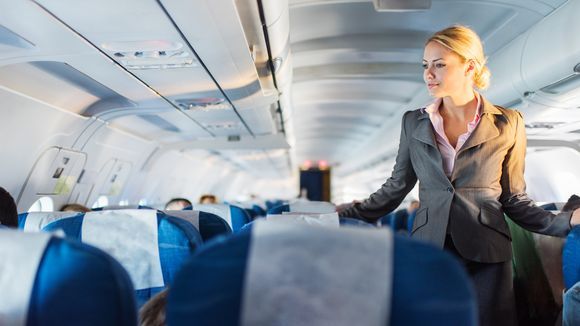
[{"x": 468, "y": 156}]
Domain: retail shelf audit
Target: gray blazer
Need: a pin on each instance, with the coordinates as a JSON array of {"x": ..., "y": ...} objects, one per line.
[{"x": 487, "y": 181}]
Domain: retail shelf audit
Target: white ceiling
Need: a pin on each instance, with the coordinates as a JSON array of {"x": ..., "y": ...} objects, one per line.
[{"x": 351, "y": 74}]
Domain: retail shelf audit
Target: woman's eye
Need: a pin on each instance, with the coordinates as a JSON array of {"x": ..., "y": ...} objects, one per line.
[
  {"x": 424, "y": 66},
  {"x": 440, "y": 65}
]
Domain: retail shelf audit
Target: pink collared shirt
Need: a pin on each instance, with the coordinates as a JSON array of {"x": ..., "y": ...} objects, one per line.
[{"x": 448, "y": 153}]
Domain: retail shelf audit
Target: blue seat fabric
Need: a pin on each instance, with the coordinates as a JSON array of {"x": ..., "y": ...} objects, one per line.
[
  {"x": 396, "y": 220},
  {"x": 430, "y": 287},
  {"x": 279, "y": 209},
  {"x": 211, "y": 225},
  {"x": 239, "y": 217},
  {"x": 174, "y": 247},
  {"x": 571, "y": 258},
  {"x": 77, "y": 284}
]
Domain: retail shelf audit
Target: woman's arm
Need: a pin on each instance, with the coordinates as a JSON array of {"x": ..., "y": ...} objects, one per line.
[
  {"x": 394, "y": 190},
  {"x": 516, "y": 203}
]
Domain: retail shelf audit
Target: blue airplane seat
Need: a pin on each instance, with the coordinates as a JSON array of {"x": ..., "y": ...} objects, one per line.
[
  {"x": 348, "y": 221},
  {"x": 235, "y": 216},
  {"x": 549, "y": 207},
  {"x": 211, "y": 225},
  {"x": 429, "y": 287},
  {"x": 251, "y": 213},
  {"x": 410, "y": 221},
  {"x": 71, "y": 284},
  {"x": 116, "y": 207},
  {"x": 571, "y": 258},
  {"x": 273, "y": 203},
  {"x": 129, "y": 236},
  {"x": 279, "y": 209},
  {"x": 343, "y": 221},
  {"x": 36, "y": 221},
  {"x": 258, "y": 210},
  {"x": 396, "y": 220}
]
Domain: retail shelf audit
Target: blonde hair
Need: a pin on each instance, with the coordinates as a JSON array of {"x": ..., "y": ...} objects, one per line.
[{"x": 464, "y": 42}]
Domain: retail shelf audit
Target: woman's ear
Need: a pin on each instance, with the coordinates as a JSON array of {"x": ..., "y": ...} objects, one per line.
[{"x": 470, "y": 67}]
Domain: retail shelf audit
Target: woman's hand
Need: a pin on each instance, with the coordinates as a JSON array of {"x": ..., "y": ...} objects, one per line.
[{"x": 342, "y": 207}]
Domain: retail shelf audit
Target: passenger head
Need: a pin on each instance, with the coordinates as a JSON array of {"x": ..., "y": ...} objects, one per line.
[
  {"x": 177, "y": 204},
  {"x": 8, "y": 211},
  {"x": 153, "y": 312},
  {"x": 413, "y": 206},
  {"x": 453, "y": 61},
  {"x": 208, "y": 199},
  {"x": 74, "y": 208}
]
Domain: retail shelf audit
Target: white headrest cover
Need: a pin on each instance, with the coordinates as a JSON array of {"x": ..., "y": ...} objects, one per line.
[
  {"x": 38, "y": 220},
  {"x": 190, "y": 216},
  {"x": 305, "y": 275},
  {"x": 221, "y": 210},
  {"x": 318, "y": 207},
  {"x": 20, "y": 255},
  {"x": 330, "y": 219},
  {"x": 130, "y": 236}
]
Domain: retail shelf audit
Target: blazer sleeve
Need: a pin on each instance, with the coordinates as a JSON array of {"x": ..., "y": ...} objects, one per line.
[
  {"x": 394, "y": 190},
  {"x": 515, "y": 202}
]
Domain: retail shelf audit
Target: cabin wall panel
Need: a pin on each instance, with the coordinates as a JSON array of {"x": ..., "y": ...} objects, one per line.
[{"x": 28, "y": 128}]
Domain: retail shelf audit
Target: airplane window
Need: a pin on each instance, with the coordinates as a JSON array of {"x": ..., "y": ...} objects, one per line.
[
  {"x": 552, "y": 174},
  {"x": 123, "y": 202},
  {"x": 102, "y": 201},
  {"x": 43, "y": 204}
]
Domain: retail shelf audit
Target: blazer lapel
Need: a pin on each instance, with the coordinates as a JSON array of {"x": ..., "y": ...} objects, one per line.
[
  {"x": 424, "y": 131},
  {"x": 485, "y": 130}
]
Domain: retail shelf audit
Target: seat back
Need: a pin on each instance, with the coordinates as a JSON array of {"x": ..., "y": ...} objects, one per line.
[
  {"x": 208, "y": 224},
  {"x": 117, "y": 207},
  {"x": 279, "y": 209},
  {"x": 236, "y": 216},
  {"x": 150, "y": 245},
  {"x": 33, "y": 222},
  {"x": 571, "y": 258},
  {"x": 45, "y": 280},
  {"x": 304, "y": 206},
  {"x": 219, "y": 287},
  {"x": 396, "y": 220}
]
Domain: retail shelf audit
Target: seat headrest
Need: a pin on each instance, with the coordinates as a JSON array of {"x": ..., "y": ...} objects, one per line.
[
  {"x": 190, "y": 216},
  {"x": 46, "y": 280},
  {"x": 284, "y": 286},
  {"x": 235, "y": 216},
  {"x": 150, "y": 245},
  {"x": 317, "y": 207},
  {"x": 215, "y": 287},
  {"x": 20, "y": 255},
  {"x": 36, "y": 221},
  {"x": 329, "y": 219}
]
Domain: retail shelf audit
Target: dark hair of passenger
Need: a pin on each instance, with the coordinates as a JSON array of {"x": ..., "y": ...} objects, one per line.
[
  {"x": 74, "y": 208},
  {"x": 8, "y": 211},
  {"x": 153, "y": 312},
  {"x": 177, "y": 204},
  {"x": 208, "y": 199},
  {"x": 572, "y": 204}
]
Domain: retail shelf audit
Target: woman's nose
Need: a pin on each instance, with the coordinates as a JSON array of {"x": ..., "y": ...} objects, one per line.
[{"x": 428, "y": 73}]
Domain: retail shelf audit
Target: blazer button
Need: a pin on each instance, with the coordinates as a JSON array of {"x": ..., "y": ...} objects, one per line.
[{"x": 450, "y": 189}]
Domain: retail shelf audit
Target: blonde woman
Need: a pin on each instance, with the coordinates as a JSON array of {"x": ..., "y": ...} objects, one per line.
[{"x": 468, "y": 156}]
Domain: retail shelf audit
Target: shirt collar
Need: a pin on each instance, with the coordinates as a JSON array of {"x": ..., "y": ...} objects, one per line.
[{"x": 433, "y": 108}]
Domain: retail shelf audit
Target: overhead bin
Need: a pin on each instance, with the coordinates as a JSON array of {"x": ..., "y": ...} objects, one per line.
[
  {"x": 541, "y": 65},
  {"x": 277, "y": 20}
]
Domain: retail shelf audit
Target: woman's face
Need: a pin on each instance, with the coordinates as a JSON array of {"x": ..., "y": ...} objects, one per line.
[{"x": 444, "y": 72}]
